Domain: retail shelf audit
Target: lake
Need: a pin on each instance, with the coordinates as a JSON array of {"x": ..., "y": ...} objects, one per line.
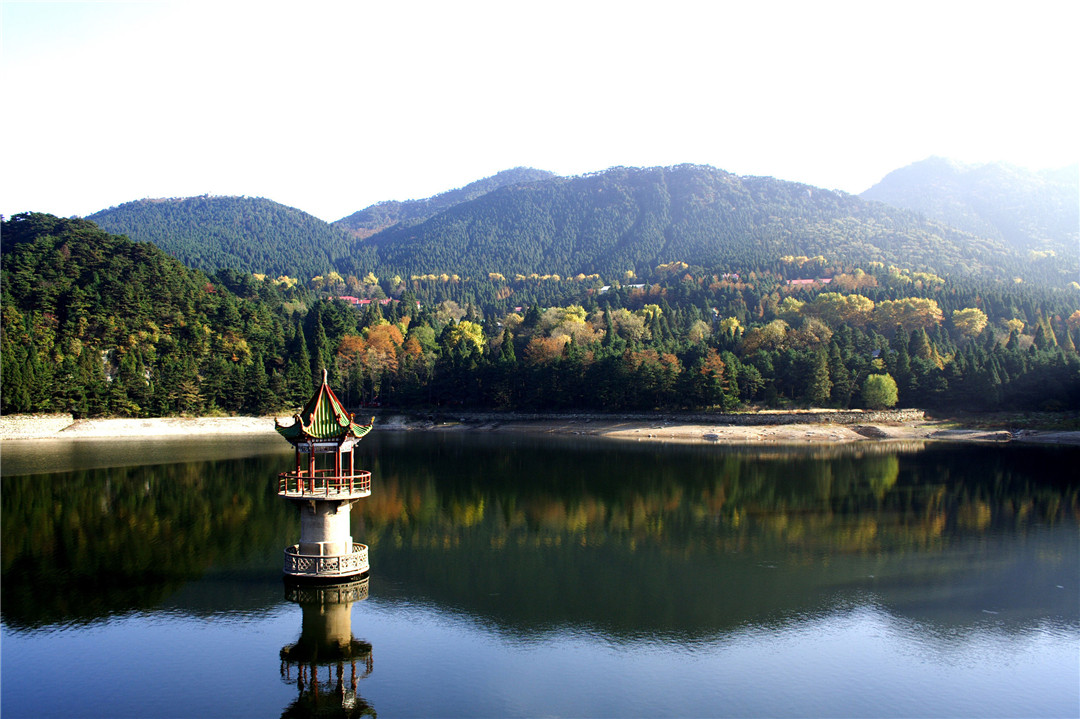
[{"x": 535, "y": 576}]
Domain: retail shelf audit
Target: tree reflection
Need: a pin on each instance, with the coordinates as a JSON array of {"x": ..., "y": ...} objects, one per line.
[
  {"x": 684, "y": 501},
  {"x": 535, "y": 532},
  {"x": 80, "y": 545}
]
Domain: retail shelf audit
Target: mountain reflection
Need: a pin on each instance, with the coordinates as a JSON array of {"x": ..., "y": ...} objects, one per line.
[
  {"x": 78, "y": 546},
  {"x": 621, "y": 538}
]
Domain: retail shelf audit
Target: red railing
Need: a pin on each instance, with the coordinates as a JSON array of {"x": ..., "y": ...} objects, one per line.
[{"x": 324, "y": 483}]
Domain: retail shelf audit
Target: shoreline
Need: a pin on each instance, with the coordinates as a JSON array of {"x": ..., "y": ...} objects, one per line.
[{"x": 770, "y": 428}]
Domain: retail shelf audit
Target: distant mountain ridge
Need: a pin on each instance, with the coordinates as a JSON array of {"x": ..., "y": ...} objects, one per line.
[
  {"x": 1029, "y": 211},
  {"x": 251, "y": 234},
  {"x": 636, "y": 218},
  {"x": 532, "y": 221},
  {"x": 382, "y": 215}
]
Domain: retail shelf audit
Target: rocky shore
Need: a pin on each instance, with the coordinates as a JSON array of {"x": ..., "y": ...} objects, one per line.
[{"x": 819, "y": 426}]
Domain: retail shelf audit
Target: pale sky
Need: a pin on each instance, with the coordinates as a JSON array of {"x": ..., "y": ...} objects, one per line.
[{"x": 330, "y": 107}]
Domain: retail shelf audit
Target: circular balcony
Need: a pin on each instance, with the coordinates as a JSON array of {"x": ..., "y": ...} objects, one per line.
[
  {"x": 324, "y": 484},
  {"x": 326, "y": 566}
]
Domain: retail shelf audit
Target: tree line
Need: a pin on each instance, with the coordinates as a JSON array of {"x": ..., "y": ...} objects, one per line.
[{"x": 94, "y": 324}]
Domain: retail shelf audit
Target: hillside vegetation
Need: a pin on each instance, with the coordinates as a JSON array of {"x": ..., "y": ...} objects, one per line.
[
  {"x": 248, "y": 234},
  {"x": 524, "y": 222},
  {"x": 382, "y": 215},
  {"x": 1028, "y": 211},
  {"x": 634, "y": 219},
  {"x": 95, "y": 324}
]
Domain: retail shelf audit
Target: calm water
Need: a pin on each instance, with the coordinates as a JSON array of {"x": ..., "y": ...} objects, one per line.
[{"x": 534, "y": 577}]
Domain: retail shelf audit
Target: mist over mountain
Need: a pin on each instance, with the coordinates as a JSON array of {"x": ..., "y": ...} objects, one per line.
[{"x": 1029, "y": 211}]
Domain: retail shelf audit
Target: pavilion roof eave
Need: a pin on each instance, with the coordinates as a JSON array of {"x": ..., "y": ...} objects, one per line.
[{"x": 323, "y": 418}]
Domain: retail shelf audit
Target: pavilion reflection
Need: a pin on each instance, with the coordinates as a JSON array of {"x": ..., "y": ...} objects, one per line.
[{"x": 326, "y": 662}]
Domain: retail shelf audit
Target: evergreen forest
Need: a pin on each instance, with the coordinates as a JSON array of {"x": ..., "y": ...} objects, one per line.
[
  {"x": 525, "y": 222},
  {"x": 96, "y": 324}
]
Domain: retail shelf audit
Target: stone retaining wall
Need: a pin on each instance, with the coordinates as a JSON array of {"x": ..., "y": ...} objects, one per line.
[{"x": 741, "y": 419}]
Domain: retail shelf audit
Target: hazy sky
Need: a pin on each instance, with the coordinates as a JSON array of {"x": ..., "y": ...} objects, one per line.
[{"x": 330, "y": 107}]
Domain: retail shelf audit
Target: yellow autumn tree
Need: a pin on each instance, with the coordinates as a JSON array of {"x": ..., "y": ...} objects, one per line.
[
  {"x": 910, "y": 313},
  {"x": 836, "y": 309},
  {"x": 769, "y": 337},
  {"x": 969, "y": 321}
]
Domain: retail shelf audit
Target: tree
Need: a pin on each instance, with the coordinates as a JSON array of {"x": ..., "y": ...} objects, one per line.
[
  {"x": 818, "y": 385},
  {"x": 969, "y": 322},
  {"x": 465, "y": 337},
  {"x": 836, "y": 309},
  {"x": 910, "y": 313},
  {"x": 322, "y": 354},
  {"x": 879, "y": 391},
  {"x": 842, "y": 383},
  {"x": 258, "y": 399}
]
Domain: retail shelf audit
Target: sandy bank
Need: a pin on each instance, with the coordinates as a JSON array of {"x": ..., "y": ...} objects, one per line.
[
  {"x": 666, "y": 429},
  {"x": 60, "y": 426}
]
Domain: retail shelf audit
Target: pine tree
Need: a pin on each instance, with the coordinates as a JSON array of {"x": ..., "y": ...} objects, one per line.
[
  {"x": 14, "y": 389},
  {"x": 842, "y": 384},
  {"x": 91, "y": 375},
  {"x": 1067, "y": 343},
  {"x": 257, "y": 398},
  {"x": 919, "y": 346},
  {"x": 818, "y": 385},
  {"x": 900, "y": 364},
  {"x": 1041, "y": 340},
  {"x": 506, "y": 351},
  {"x": 321, "y": 353}
]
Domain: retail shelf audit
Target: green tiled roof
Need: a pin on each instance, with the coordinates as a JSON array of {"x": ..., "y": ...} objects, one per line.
[{"x": 323, "y": 418}]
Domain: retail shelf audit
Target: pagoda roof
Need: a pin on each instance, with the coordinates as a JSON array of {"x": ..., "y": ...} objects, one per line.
[{"x": 323, "y": 418}]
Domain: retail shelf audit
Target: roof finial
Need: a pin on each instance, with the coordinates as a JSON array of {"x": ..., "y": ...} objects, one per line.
[{"x": 324, "y": 375}]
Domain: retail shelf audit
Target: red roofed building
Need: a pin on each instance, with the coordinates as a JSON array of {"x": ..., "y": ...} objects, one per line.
[{"x": 821, "y": 281}]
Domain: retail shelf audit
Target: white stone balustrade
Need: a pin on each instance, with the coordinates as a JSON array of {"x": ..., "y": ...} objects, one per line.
[{"x": 326, "y": 565}]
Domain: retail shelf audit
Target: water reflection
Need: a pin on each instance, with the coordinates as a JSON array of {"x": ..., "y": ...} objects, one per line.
[
  {"x": 725, "y": 580},
  {"x": 624, "y": 539},
  {"x": 326, "y": 646},
  {"x": 81, "y": 545}
]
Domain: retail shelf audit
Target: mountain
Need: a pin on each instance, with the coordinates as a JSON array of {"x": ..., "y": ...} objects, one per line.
[
  {"x": 529, "y": 221},
  {"x": 636, "y": 218},
  {"x": 1029, "y": 211},
  {"x": 382, "y": 215},
  {"x": 243, "y": 233},
  {"x": 94, "y": 322}
]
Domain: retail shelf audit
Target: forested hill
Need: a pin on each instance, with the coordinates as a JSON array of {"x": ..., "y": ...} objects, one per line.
[
  {"x": 634, "y": 219},
  {"x": 386, "y": 214},
  {"x": 526, "y": 221},
  {"x": 242, "y": 233},
  {"x": 95, "y": 323},
  {"x": 1030, "y": 211}
]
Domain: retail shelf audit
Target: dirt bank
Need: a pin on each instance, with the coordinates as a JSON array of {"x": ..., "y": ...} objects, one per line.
[
  {"x": 60, "y": 426},
  {"x": 764, "y": 428}
]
